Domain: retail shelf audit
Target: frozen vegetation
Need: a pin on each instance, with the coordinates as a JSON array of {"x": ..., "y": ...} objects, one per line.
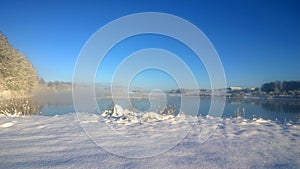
[
  {"x": 66, "y": 141},
  {"x": 17, "y": 75}
]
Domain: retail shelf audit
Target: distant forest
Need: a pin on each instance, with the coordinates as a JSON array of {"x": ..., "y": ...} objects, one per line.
[{"x": 279, "y": 86}]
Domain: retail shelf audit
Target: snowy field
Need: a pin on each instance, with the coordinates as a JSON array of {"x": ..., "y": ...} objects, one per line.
[{"x": 61, "y": 142}]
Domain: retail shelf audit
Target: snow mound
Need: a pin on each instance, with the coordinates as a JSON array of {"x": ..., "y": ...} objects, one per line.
[{"x": 119, "y": 115}]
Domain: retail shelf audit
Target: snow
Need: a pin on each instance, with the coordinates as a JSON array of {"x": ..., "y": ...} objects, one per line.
[
  {"x": 8, "y": 124},
  {"x": 71, "y": 141}
]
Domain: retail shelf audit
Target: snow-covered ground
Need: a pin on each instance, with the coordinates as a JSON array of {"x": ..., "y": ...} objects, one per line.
[{"x": 61, "y": 142}]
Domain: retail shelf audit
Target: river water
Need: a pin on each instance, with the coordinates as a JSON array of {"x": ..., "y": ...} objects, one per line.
[{"x": 281, "y": 110}]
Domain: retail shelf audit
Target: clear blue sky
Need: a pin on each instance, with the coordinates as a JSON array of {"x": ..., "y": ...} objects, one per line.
[{"x": 257, "y": 41}]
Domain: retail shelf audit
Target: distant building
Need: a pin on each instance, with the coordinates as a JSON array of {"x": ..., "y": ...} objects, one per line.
[{"x": 234, "y": 88}]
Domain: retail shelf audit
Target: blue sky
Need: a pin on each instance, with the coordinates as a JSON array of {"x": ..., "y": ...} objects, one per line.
[{"x": 257, "y": 41}]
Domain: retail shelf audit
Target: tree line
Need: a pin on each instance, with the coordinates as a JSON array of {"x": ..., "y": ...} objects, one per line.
[{"x": 284, "y": 86}]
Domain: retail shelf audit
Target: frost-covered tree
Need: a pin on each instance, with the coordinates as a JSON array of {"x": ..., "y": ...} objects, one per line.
[{"x": 16, "y": 72}]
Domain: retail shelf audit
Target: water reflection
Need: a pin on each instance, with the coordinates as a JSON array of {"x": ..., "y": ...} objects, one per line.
[
  {"x": 54, "y": 103},
  {"x": 281, "y": 110},
  {"x": 282, "y": 106},
  {"x": 274, "y": 105}
]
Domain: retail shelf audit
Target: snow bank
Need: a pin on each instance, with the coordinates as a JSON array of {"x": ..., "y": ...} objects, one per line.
[{"x": 61, "y": 142}]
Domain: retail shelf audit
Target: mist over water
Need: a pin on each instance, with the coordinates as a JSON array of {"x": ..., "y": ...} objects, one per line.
[{"x": 51, "y": 104}]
